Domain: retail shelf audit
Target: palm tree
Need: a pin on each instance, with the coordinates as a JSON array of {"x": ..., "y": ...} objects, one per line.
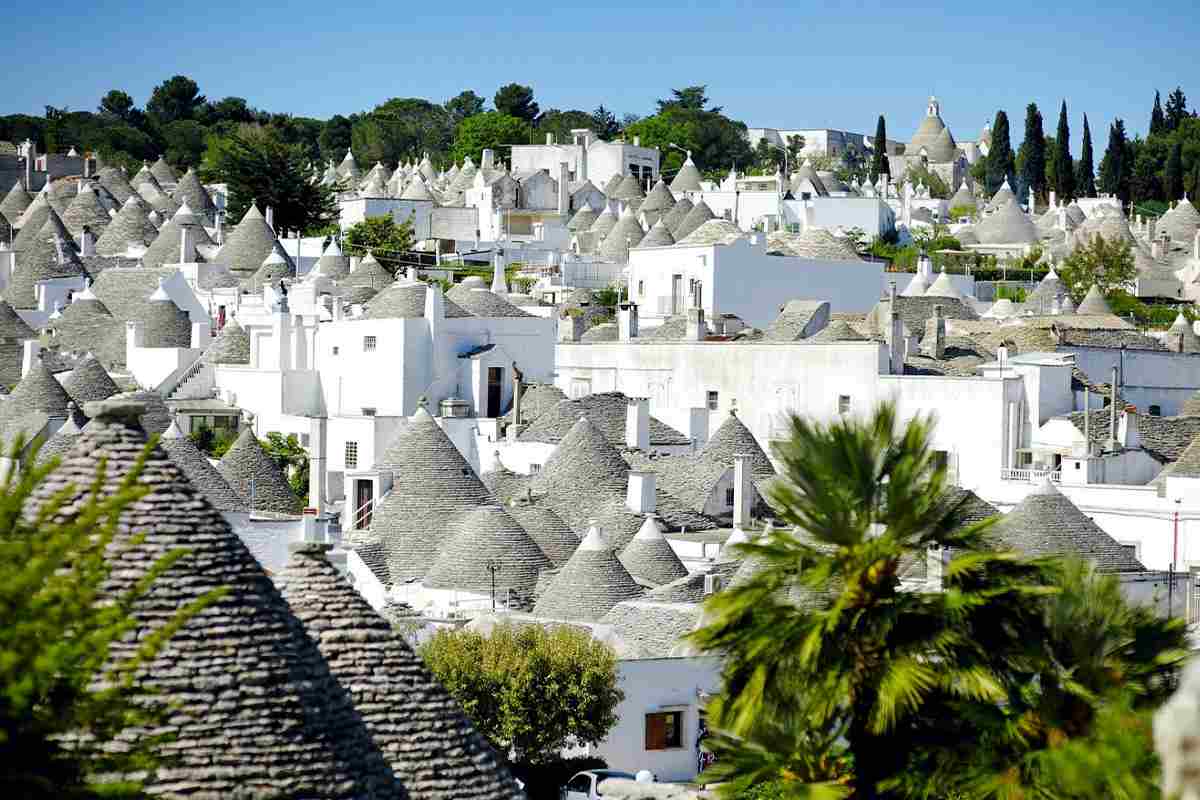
[{"x": 827, "y": 661}]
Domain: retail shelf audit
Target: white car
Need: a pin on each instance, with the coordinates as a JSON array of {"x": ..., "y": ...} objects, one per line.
[{"x": 585, "y": 785}]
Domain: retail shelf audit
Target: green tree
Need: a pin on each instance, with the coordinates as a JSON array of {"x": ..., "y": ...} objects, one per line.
[
  {"x": 61, "y": 697},
  {"x": 560, "y": 123},
  {"x": 715, "y": 141},
  {"x": 1001, "y": 164},
  {"x": 921, "y": 174},
  {"x": 1177, "y": 110},
  {"x": 1085, "y": 177},
  {"x": 689, "y": 98},
  {"x": 604, "y": 123},
  {"x": 399, "y": 129},
  {"x": 1196, "y": 183},
  {"x": 1114, "y": 169},
  {"x": 1032, "y": 156},
  {"x": 879, "y": 159},
  {"x": 173, "y": 99},
  {"x": 1145, "y": 184},
  {"x": 1107, "y": 263},
  {"x": 116, "y": 104},
  {"x": 529, "y": 689},
  {"x": 259, "y": 167},
  {"x": 382, "y": 236},
  {"x": 231, "y": 109},
  {"x": 1173, "y": 176},
  {"x": 1064, "y": 166},
  {"x": 291, "y": 457},
  {"x": 490, "y": 130},
  {"x": 335, "y": 137},
  {"x": 185, "y": 141},
  {"x": 515, "y": 100},
  {"x": 462, "y": 105},
  {"x": 1158, "y": 122}
]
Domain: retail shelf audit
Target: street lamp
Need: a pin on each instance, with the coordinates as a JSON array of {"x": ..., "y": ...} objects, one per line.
[{"x": 493, "y": 566}]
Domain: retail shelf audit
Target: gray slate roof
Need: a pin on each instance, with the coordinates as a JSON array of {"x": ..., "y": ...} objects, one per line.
[
  {"x": 165, "y": 247},
  {"x": 583, "y": 219},
  {"x": 699, "y": 215},
  {"x": 483, "y": 303},
  {"x": 649, "y": 556},
  {"x": 1093, "y": 302},
  {"x": 254, "y": 704},
  {"x": 795, "y": 320},
  {"x": 85, "y": 210},
  {"x": 89, "y": 381},
  {"x": 538, "y": 398},
  {"x": 130, "y": 228},
  {"x": 431, "y": 746},
  {"x": 487, "y": 533},
  {"x": 200, "y": 471},
  {"x": 11, "y": 324},
  {"x": 404, "y": 299},
  {"x": 249, "y": 244},
  {"x": 431, "y": 482},
  {"x": 38, "y": 390},
  {"x": 231, "y": 346},
  {"x": 163, "y": 172},
  {"x": 588, "y": 586},
  {"x": 113, "y": 179},
  {"x": 191, "y": 192},
  {"x": 40, "y": 261},
  {"x": 655, "y": 629},
  {"x": 606, "y": 411},
  {"x": 14, "y": 203},
  {"x": 687, "y": 179},
  {"x": 86, "y": 324},
  {"x": 333, "y": 263},
  {"x": 675, "y": 215},
  {"x": 1009, "y": 225},
  {"x": 552, "y": 534},
  {"x": 246, "y": 462},
  {"x": 1047, "y": 523}
]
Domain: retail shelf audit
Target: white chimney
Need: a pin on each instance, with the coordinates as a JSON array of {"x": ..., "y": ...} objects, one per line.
[
  {"x": 499, "y": 286},
  {"x": 87, "y": 242},
  {"x": 637, "y": 141},
  {"x": 564, "y": 191},
  {"x": 1156, "y": 249},
  {"x": 1053, "y": 199},
  {"x": 271, "y": 218},
  {"x": 742, "y": 492},
  {"x": 488, "y": 161},
  {"x": 637, "y": 424},
  {"x": 187, "y": 247},
  {"x": 1196, "y": 246},
  {"x": 641, "y": 498},
  {"x": 549, "y": 138},
  {"x": 627, "y": 321},
  {"x": 696, "y": 330}
]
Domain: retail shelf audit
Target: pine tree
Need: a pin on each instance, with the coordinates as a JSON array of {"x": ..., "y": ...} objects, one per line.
[
  {"x": 1065, "y": 174},
  {"x": 1001, "y": 163},
  {"x": 1085, "y": 178},
  {"x": 1158, "y": 123},
  {"x": 1033, "y": 165},
  {"x": 879, "y": 163},
  {"x": 1114, "y": 172},
  {"x": 1196, "y": 184},
  {"x": 1177, "y": 110},
  {"x": 1173, "y": 175}
]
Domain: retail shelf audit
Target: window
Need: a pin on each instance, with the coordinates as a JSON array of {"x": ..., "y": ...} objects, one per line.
[
  {"x": 1156, "y": 411},
  {"x": 843, "y": 404},
  {"x": 713, "y": 401},
  {"x": 1131, "y": 550},
  {"x": 351, "y": 455},
  {"x": 304, "y": 439},
  {"x": 730, "y": 497},
  {"x": 641, "y": 288},
  {"x": 369, "y": 344},
  {"x": 534, "y": 469},
  {"x": 368, "y": 412},
  {"x": 664, "y": 731},
  {"x": 335, "y": 350}
]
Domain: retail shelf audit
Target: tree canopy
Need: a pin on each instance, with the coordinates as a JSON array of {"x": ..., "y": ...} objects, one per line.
[
  {"x": 1001, "y": 163},
  {"x": 381, "y": 236},
  {"x": 174, "y": 99},
  {"x": 716, "y": 142},
  {"x": 529, "y": 689},
  {"x": 1104, "y": 262},
  {"x": 492, "y": 130},
  {"x": 1032, "y": 155},
  {"x": 517, "y": 101}
]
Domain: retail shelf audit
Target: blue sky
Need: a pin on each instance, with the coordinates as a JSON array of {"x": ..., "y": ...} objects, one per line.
[{"x": 777, "y": 64}]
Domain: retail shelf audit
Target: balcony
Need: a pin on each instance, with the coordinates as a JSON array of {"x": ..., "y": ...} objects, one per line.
[{"x": 1030, "y": 475}]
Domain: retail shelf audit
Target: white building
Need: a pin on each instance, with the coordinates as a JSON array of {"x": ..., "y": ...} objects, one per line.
[{"x": 589, "y": 158}]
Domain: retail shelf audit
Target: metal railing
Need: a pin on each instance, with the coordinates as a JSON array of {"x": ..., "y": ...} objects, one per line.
[{"x": 1030, "y": 475}]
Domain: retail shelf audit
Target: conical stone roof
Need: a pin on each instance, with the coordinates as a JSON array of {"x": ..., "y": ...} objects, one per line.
[
  {"x": 85, "y": 210},
  {"x": 165, "y": 324},
  {"x": 89, "y": 381},
  {"x": 1191, "y": 406},
  {"x": 658, "y": 236},
  {"x": 614, "y": 183},
  {"x": 250, "y": 471},
  {"x": 39, "y": 390},
  {"x": 733, "y": 438},
  {"x": 333, "y": 263},
  {"x": 416, "y": 190},
  {"x": 591, "y": 582},
  {"x": 1002, "y": 196},
  {"x": 166, "y": 246},
  {"x": 349, "y": 170},
  {"x": 155, "y": 416},
  {"x": 625, "y": 234},
  {"x": 583, "y": 219},
  {"x": 837, "y": 331},
  {"x": 232, "y": 345},
  {"x": 962, "y": 197},
  {"x": 12, "y": 326},
  {"x": 86, "y": 324},
  {"x": 699, "y": 215},
  {"x": 191, "y": 192},
  {"x": 248, "y": 244},
  {"x": 200, "y": 471},
  {"x": 33, "y": 217},
  {"x": 1181, "y": 222},
  {"x": 427, "y": 739},
  {"x": 1188, "y": 341},
  {"x": 677, "y": 213},
  {"x": 50, "y": 254},
  {"x": 131, "y": 228},
  {"x": 150, "y": 190},
  {"x": 1093, "y": 303},
  {"x": 63, "y": 439},
  {"x": 431, "y": 482},
  {"x": 1042, "y": 297},
  {"x": 487, "y": 534},
  {"x": 15, "y": 203},
  {"x": 275, "y": 267},
  {"x": 1009, "y": 225},
  {"x": 252, "y": 701},
  {"x": 163, "y": 172},
  {"x": 603, "y": 225},
  {"x": 1047, "y": 523},
  {"x": 113, "y": 179},
  {"x": 584, "y": 460},
  {"x": 627, "y": 189},
  {"x": 687, "y": 179},
  {"x": 649, "y": 556},
  {"x": 943, "y": 286},
  {"x": 547, "y": 529},
  {"x": 659, "y": 199}
]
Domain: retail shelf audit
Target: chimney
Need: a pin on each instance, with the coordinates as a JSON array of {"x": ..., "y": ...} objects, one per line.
[
  {"x": 488, "y": 160},
  {"x": 570, "y": 326},
  {"x": 187, "y": 246},
  {"x": 435, "y": 305},
  {"x": 31, "y": 351},
  {"x": 1062, "y": 219},
  {"x": 564, "y": 191},
  {"x": 271, "y": 218},
  {"x": 58, "y": 249},
  {"x": 583, "y": 158},
  {"x": 518, "y": 390},
  {"x": 87, "y": 242},
  {"x": 937, "y": 348},
  {"x": 1112, "y": 406},
  {"x": 30, "y": 158},
  {"x": 637, "y": 424},
  {"x": 1150, "y": 226},
  {"x": 697, "y": 430},
  {"x": 201, "y": 335},
  {"x": 549, "y": 138},
  {"x": 1087, "y": 421},
  {"x": 1032, "y": 201},
  {"x": 627, "y": 321},
  {"x": 696, "y": 330},
  {"x": 895, "y": 335},
  {"x": 499, "y": 286},
  {"x": 220, "y": 228},
  {"x": 1053, "y": 199},
  {"x": 1156, "y": 249},
  {"x": 741, "y": 492},
  {"x": 640, "y": 497},
  {"x": 637, "y": 141},
  {"x": 318, "y": 477}
]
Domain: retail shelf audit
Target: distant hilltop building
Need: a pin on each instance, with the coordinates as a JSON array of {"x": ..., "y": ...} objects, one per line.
[
  {"x": 817, "y": 141},
  {"x": 933, "y": 146},
  {"x": 589, "y": 158}
]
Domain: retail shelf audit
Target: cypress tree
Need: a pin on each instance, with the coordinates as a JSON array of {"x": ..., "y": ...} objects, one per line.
[
  {"x": 1196, "y": 184},
  {"x": 1085, "y": 178},
  {"x": 1173, "y": 176},
  {"x": 879, "y": 163},
  {"x": 1158, "y": 123},
  {"x": 1033, "y": 165},
  {"x": 1176, "y": 109},
  {"x": 1114, "y": 172},
  {"x": 1065, "y": 168},
  {"x": 1001, "y": 164}
]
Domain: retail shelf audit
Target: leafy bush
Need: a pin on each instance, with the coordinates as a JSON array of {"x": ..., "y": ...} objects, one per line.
[
  {"x": 608, "y": 296},
  {"x": 1013, "y": 293},
  {"x": 1107, "y": 263},
  {"x": 215, "y": 443},
  {"x": 385, "y": 238}
]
